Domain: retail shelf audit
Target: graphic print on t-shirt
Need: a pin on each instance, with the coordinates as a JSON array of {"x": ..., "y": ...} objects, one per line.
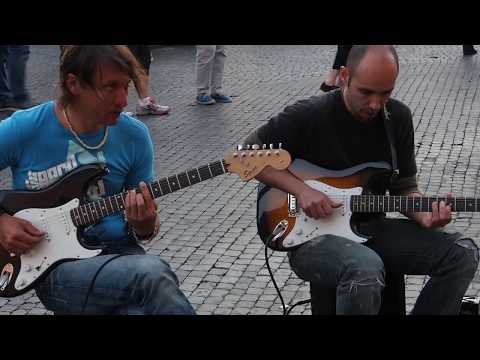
[{"x": 76, "y": 156}]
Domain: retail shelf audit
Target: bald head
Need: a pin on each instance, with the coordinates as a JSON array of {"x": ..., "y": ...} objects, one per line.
[
  {"x": 368, "y": 80},
  {"x": 378, "y": 54}
]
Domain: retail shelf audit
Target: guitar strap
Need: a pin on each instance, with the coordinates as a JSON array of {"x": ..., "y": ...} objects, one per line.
[
  {"x": 2, "y": 210},
  {"x": 391, "y": 140}
]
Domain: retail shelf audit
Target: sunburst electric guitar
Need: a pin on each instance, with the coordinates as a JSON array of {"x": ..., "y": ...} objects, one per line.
[
  {"x": 283, "y": 225},
  {"x": 61, "y": 211}
]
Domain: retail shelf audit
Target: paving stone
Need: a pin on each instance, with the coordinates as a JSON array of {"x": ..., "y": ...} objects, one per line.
[
  {"x": 240, "y": 311},
  {"x": 19, "y": 312},
  {"x": 222, "y": 311}
]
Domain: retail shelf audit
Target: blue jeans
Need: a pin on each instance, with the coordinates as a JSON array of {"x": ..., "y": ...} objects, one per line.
[
  {"x": 13, "y": 65},
  {"x": 136, "y": 284},
  {"x": 357, "y": 271}
]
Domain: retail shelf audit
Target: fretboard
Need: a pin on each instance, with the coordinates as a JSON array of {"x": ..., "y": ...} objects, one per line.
[
  {"x": 381, "y": 203},
  {"x": 92, "y": 212}
]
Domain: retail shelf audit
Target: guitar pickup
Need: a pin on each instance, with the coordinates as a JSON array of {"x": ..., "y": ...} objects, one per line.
[{"x": 292, "y": 206}]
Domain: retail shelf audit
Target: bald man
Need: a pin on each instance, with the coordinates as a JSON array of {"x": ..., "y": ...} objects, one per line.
[{"x": 346, "y": 128}]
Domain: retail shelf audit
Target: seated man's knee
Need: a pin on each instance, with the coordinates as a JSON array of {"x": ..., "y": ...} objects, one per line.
[
  {"x": 468, "y": 253},
  {"x": 153, "y": 269},
  {"x": 367, "y": 269}
]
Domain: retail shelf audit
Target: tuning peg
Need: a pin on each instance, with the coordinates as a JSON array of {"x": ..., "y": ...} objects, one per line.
[
  {"x": 279, "y": 145},
  {"x": 239, "y": 147},
  {"x": 255, "y": 147},
  {"x": 248, "y": 147},
  {"x": 264, "y": 146},
  {"x": 271, "y": 146}
]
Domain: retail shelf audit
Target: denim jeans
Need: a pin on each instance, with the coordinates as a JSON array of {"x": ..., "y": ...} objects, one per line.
[
  {"x": 357, "y": 271},
  {"x": 13, "y": 65},
  {"x": 132, "y": 284}
]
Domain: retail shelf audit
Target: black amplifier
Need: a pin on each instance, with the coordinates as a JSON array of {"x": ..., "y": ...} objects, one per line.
[{"x": 470, "y": 305}]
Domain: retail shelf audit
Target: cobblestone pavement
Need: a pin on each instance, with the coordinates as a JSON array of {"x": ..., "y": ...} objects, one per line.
[{"x": 208, "y": 231}]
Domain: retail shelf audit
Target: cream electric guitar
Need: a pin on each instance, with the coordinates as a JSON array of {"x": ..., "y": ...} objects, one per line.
[{"x": 60, "y": 210}]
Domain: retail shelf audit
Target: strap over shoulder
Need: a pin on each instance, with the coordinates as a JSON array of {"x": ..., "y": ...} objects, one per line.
[
  {"x": 391, "y": 135},
  {"x": 386, "y": 116}
]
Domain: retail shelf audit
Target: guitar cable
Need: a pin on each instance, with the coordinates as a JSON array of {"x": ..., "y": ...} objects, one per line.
[
  {"x": 276, "y": 233},
  {"x": 95, "y": 277}
]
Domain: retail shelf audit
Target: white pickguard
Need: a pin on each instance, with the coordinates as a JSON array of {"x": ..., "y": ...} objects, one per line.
[
  {"x": 338, "y": 223},
  {"x": 60, "y": 242}
]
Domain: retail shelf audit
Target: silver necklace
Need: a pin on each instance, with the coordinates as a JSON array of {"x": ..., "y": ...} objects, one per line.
[{"x": 96, "y": 147}]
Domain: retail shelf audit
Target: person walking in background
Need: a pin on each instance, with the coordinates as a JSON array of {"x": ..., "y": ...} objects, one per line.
[
  {"x": 331, "y": 80},
  {"x": 468, "y": 50},
  {"x": 13, "y": 65},
  {"x": 146, "y": 104},
  {"x": 210, "y": 63}
]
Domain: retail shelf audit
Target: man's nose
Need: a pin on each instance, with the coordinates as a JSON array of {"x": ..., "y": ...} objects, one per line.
[
  {"x": 376, "y": 103},
  {"x": 121, "y": 99}
]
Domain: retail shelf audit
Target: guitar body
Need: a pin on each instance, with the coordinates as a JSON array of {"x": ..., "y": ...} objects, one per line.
[
  {"x": 48, "y": 210},
  {"x": 274, "y": 205}
]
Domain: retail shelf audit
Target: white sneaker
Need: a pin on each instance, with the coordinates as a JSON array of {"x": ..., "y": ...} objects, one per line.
[{"x": 148, "y": 106}]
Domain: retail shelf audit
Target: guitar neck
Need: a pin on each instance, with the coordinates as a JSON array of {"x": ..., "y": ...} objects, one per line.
[
  {"x": 382, "y": 203},
  {"x": 92, "y": 212}
]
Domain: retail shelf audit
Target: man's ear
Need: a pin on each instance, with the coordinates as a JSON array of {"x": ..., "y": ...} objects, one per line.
[
  {"x": 72, "y": 84},
  {"x": 343, "y": 76}
]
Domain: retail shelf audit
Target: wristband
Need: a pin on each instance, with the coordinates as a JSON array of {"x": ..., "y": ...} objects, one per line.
[{"x": 149, "y": 237}]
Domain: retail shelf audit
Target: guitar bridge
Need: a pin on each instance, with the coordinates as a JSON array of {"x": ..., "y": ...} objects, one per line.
[{"x": 292, "y": 206}]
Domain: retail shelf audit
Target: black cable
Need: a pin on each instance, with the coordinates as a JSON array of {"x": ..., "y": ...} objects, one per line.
[
  {"x": 273, "y": 280},
  {"x": 301, "y": 302},
  {"x": 95, "y": 277}
]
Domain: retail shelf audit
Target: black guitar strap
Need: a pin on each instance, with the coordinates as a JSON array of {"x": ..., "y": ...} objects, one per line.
[
  {"x": 391, "y": 140},
  {"x": 2, "y": 210}
]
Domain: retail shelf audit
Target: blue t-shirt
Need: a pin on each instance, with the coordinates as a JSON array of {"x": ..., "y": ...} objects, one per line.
[{"x": 39, "y": 150}]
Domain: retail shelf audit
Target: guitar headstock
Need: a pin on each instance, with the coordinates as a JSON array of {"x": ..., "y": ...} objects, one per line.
[{"x": 249, "y": 161}]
